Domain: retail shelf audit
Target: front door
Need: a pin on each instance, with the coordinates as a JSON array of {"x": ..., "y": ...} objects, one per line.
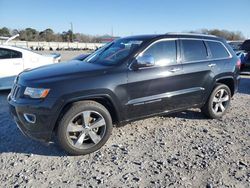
[{"x": 155, "y": 89}]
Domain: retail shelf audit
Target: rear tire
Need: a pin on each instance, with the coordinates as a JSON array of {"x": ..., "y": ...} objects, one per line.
[
  {"x": 218, "y": 102},
  {"x": 84, "y": 128}
]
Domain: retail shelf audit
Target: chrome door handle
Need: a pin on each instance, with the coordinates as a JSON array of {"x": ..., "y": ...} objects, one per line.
[
  {"x": 212, "y": 65},
  {"x": 174, "y": 70}
]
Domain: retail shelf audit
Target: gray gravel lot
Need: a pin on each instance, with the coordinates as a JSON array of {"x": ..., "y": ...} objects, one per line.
[{"x": 180, "y": 150}]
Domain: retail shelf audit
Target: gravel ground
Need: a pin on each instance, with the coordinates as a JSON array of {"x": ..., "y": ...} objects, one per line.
[{"x": 180, "y": 150}]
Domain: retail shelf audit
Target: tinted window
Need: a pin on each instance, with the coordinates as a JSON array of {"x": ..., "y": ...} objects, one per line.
[
  {"x": 194, "y": 50},
  {"x": 8, "y": 54},
  {"x": 217, "y": 50},
  {"x": 164, "y": 52},
  {"x": 16, "y": 54},
  {"x": 5, "y": 54}
]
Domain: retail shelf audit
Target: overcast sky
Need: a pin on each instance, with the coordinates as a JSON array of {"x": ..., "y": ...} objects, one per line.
[{"x": 126, "y": 17}]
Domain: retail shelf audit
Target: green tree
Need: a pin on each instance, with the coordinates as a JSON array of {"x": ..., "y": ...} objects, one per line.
[
  {"x": 47, "y": 35},
  {"x": 228, "y": 35},
  {"x": 68, "y": 36},
  {"x": 14, "y": 32},
  {"x": 65, "y": 37},
  {"x": 4, "y": 32},
  {"x": 29, "y": 34}
]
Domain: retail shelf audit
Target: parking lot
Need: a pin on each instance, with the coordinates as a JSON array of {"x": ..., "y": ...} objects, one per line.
[{"x": 178, "y": 150}]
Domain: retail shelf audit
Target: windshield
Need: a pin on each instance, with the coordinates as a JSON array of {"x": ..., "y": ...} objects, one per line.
[{"x": 114, "y": 52}]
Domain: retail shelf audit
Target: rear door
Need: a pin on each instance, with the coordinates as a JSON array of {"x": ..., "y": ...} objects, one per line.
[
  {"x": 197, "y": 74},
  {"x": 221, "y": 57},
  {"x": 11, "y": 64}
]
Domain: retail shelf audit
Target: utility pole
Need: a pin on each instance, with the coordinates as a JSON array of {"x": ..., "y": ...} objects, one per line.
[{"x": 71, "y": 26}]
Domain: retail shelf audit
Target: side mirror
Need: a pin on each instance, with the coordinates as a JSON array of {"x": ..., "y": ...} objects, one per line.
[{"x": 143, "y": 61}]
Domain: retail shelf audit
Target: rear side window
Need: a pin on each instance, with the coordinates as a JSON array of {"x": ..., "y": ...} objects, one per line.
[
  {"x": 16, "y": 54},
  {"x": 217, "y": 50},
  {"x": 164, "y": 52},
  {"x": 194, "y": 50},
  {"x": 9, "y": 54},
  {"x": 5, "y": 54}
]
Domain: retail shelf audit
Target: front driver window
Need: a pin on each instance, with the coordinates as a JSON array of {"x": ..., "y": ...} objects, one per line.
[{"x": 163, "y": 52}]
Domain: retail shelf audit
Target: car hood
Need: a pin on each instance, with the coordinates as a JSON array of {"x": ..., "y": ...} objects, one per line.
[{"x": 62, "y": 70}]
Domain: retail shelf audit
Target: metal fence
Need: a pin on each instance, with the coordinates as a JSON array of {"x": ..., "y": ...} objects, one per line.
[{"x": 38, "y": 45}]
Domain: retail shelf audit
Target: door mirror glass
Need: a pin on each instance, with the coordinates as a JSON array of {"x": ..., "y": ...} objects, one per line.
[{"x": 144, "y": 61}]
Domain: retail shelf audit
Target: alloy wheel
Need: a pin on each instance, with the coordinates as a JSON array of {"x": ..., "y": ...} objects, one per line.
[
  {"x": 86, "y": 129},
  {"x": 220, "y": 101}
]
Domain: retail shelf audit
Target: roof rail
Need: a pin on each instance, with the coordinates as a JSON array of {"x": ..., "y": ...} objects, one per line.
[{"x": 191, "y": 34}]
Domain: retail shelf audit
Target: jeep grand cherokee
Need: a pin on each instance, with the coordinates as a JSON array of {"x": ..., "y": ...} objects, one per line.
[{"x": 129, "y": 79}]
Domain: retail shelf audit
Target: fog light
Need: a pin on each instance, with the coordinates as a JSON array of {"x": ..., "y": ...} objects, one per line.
[{"x": 30, "y": 118}]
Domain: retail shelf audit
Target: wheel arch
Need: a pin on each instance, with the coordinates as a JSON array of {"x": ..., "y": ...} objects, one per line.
[
  {"x": 228, "y": 81},
  {"x": 104, "y": 100}
]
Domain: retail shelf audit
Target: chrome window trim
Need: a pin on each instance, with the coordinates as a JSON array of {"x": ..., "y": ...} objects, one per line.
[
  {"x": 208, "y": 59},
  {"x": 179, "y": 60},
  {"x": 159, "y": 40},
  {"x": 229, "y": 53}
]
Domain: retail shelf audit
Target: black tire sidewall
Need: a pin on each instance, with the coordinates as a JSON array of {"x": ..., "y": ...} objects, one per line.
[
  {"x": 74, "y": 110},
  {"x": 210, "y": 102}
]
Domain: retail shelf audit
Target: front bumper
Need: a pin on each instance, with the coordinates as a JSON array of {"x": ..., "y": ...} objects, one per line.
[{"x": 46, "y": 116}]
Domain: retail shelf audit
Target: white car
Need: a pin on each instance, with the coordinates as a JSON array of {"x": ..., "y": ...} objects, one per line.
[{"x": 14, "y": 60}]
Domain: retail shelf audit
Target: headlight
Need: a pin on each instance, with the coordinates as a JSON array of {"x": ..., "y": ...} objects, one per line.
[{"x": 36, "y": 93}]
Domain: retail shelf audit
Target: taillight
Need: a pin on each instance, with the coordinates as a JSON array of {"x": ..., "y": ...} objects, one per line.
[{"x": 238, "y": 64}]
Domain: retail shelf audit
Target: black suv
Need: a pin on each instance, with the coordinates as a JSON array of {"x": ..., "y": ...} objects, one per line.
[{"x": 128, "y": 79}]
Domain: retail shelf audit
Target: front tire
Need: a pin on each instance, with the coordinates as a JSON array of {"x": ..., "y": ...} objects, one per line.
[
  {"x": 84, "y": 128},
  {"x": 218, "y": 102}
]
